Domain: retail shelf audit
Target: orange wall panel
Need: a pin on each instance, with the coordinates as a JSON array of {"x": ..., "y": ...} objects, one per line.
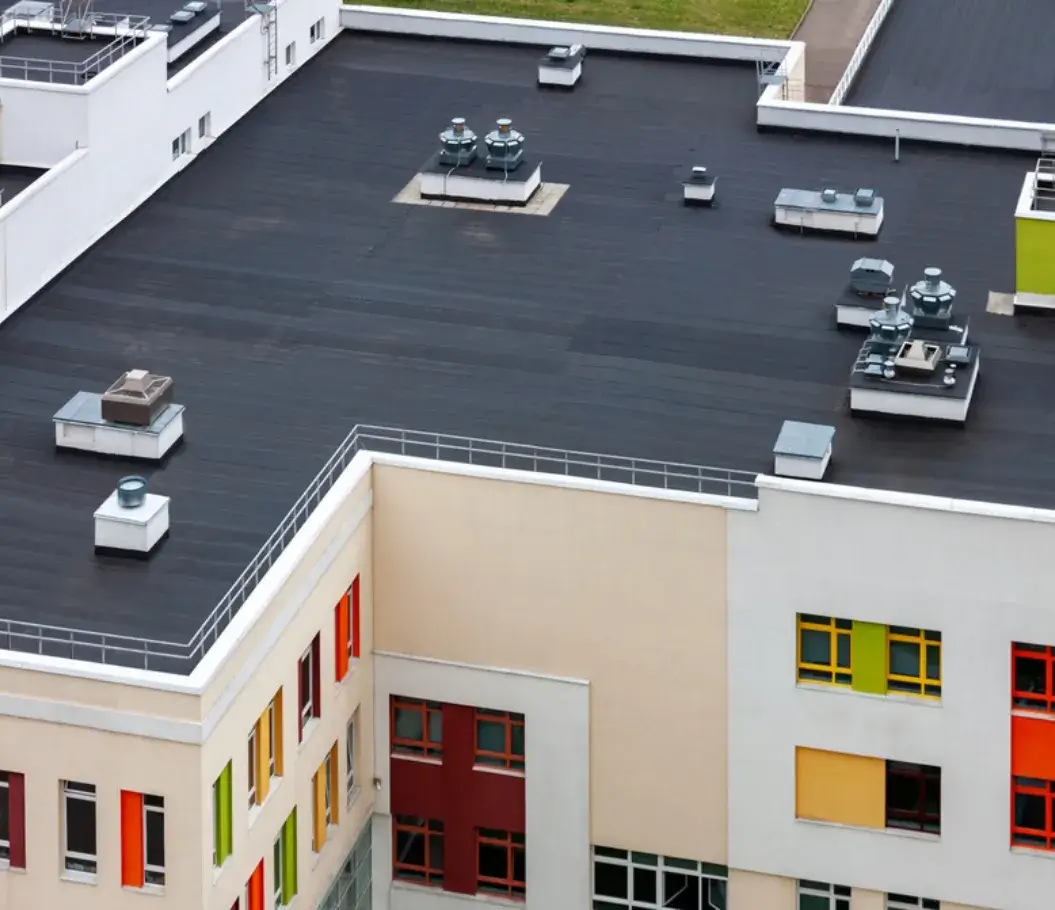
[
  {"x": 131, "y": 839},
  {"x": 1033, "y": 747},
  {"x": 845, "y": 789}
]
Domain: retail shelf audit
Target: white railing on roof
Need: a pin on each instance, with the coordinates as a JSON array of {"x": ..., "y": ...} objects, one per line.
[
  {"x": 860, "y": 52},
  {"x": 150, "y": 654}
]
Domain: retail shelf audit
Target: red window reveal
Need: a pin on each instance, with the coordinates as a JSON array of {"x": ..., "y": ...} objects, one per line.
[
  {"x": 417, "y": 727},
  {"x": 499, "y": 739},
  {"x": 418, "y": 850},
  {"x": 500, "y": 865},
  {"x": 346, "y": 630}
]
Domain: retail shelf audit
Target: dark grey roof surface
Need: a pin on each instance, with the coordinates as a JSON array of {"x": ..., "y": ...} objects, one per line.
[
  {"x": 15, "y": 179},
  {"x": 976, "y": 58},
  {"x": 291, "y": 299}
]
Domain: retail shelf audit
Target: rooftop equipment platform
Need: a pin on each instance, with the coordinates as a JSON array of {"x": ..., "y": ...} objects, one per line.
[{"x": 859, "y": 214}]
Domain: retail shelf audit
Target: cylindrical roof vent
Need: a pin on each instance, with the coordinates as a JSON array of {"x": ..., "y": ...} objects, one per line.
[{"x": 131, "y": 492}]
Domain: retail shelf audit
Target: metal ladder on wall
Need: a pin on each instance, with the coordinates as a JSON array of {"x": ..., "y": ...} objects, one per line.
[{"x": 269, "y": 29}]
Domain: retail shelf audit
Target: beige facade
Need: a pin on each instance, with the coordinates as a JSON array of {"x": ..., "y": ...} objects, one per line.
[{"x": 625, "y": 592}]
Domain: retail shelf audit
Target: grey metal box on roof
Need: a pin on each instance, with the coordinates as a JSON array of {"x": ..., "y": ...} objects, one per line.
[{"x": 804, "y": 440}]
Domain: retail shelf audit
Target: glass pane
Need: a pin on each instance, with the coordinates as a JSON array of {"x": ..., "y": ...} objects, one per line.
[
  {"x": 843, "y": 655},
  {"x": 813, "y": 902},
  {"x": 681, "y": 891},
  {"x": 645, "y": 885},
  {"x": 410, "y": 848},
  {"x": 645, "y": 859},
  {"x": 716, "y": 896},
  {"x": 276, "y": 865},
  {"x": 933, "y": 662},
  {"x": 5, "y": 814},
  {"x": 435, "y": 726},
  {"x": 155, "y": 825},
  {"x": 436, "y": 852},
  {"x": 493, "y": 861},
  {"x": 902, "y": 793},
  {"x": 519, "y": 867},
  {"x": 408, "y": 724},
  {"x": 816, "y": 620},
  {"x": 609, "y": 851},
  {"x": 904, "y": 658},
  {"x": 816, "y": 647},
  {"x": 1029, "y": 811},
  {"x": 610, "y": 880},
  {"x": 518, "y": 741},
  {"x": 305, "y": 681},
  {"x": 1031, "y": 675},
  {"x": 80, "y": 826},
  {"x": 490, "y": 737}
]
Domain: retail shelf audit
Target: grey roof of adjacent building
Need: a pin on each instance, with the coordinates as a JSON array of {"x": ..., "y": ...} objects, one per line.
[
  {"x": 975, "y": 58},
  {"x": 291, "y": 299}
]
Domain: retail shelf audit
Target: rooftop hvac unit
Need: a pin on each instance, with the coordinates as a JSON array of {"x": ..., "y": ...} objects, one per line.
[{"x": 136, "y": 398}]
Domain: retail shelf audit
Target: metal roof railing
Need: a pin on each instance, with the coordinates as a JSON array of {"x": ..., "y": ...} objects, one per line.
[{"x": 150, "y": 654}]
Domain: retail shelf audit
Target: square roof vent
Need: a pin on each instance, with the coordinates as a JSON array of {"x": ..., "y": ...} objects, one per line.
[
  {"x": 136, "y": 398},
  {"x": 918, "y": 356},
  {"x": 195, "y": 6},
  {"x": 181, "y": 15}
]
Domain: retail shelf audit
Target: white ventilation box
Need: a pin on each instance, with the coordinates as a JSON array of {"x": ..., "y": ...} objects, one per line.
[
  {"x": 803, "y": 450},
  {"x": 131, "y": 521},
  {"x": 79, "y": 424}
]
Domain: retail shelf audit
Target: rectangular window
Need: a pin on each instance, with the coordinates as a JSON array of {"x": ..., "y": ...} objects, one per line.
[
  {"x": 254, "y": 889},
  {"x": 914, "y": 661},
  {"x": 500, "y": 863},
  {"x": 274, "y": 739},
  {"x": 1032, "y": 676},
  {"x": 205, "y": 125},
  {"x": 78, "y": 823},
  {"x": 499, "y": 741},
  {"x": 624, "y": 880},
  {"x": 142, "y": 840},
  {"x": 263, "y": 751},
  {"x": 181, "y": 144},
  {"x": 907, "y": 902},
  {"x": 222, "y": 818},
  {"x": 346, "y": 628},
  {"x": 1032, "y": 822},
  {"x": 351, "y": 762},
  {"x": 324, "y": 806},
  {"x": 824, "y": 649},
  {"x": 12, "y": 820},
  {"x": 417, "y": 854},
  {"x": 291, "y": 53},
  {"x": 310, "y": 706},
  {"x": 318, "y": 31},
  {"x": 284, "y": 862},
  {"x": 913, "y": 797},
  {"x": 253, "y": 763},
  {"x": 821, "y": 896},
  {"x": 417, "y": 727}
]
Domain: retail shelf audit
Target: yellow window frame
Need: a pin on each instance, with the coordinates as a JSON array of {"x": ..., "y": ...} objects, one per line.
[
  {"x": 926, "y": 643},
  {"x": 831, "y": 673}
]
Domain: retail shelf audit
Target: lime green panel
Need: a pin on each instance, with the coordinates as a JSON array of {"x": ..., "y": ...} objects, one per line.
[
  {"x": 1034, "y": 256},
  {"x": 868, "y": 655},
  {"x": 289, "y": 858}
]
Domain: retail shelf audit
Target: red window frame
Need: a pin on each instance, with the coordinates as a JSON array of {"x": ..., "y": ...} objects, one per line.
[
  {"x": 919, "y": 818},
  {"x": 309, "y": 696},
  {"x": 1035, "y": 838},
  {"x": 346, "y": 630},
  {"x": 14, "y": 793},
  {"x": 430, "y": 874},
  {"x": 507, "y": 758},
  {"x": 508, "y": 886},
  {"x": 423, "y": 747},
  {"x": 1033, "y": 701}
]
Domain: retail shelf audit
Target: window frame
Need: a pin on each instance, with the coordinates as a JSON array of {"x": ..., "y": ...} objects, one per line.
[
  {"x": 350, "y": 747},
  {"x": 205, "y": 125},
  {"x": 278, "y": 871},
  {"x": 507, "y": 760},
  {"x": 273, "y": 735},
  {"x": 425, "y": 876},
  {"x": 70, "y": 792},
  {"x": 909, "y": 902},
  {"x": 509, "y": 886},
  {"x": 156, "y": 805},
  {"x": 710, "y": 875},
  {"x": 309, "y": 704},
  {"x": 327, "y": 787},
  {"x": 5, "y": 842},
  {"x": 836, "y": 629},
  {"x": 291, "y": 54},
  {"x": 922, "y": 775},
  {"x": 422, "y": 749},
  {"x": 253, "y": 742},
  {"x": 1028, "y": 838},
  {"x": 838, "y": 896},
  {"x": 1046, "y": 654},
  {"x": 922, "y": 685}
]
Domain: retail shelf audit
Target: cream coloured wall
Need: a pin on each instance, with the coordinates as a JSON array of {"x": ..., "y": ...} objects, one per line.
[
  {"x": 47, "y": 753},
  {"x": 860, "y": 899},
  {"x": 626, "y": 593},
  {"x": 756, "y": 891}
]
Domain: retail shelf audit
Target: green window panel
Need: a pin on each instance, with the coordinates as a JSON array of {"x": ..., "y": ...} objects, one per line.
[
  {"x": 869, "y": 656},
  {"x": 289, "y": 858},
  {"x": 223, "y": 817}
]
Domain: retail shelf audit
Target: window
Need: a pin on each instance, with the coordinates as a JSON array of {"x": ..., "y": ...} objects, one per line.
[
  {"x": 310, "y": 707},
  {"x": 351, "y": 762},
  {"x": 317, "y": 31},
  {"x": 499, "y": 739},
  {"x": 641, "y": 881},
  {"x": 346, "y": 626},
  {"x": 324, "y": 805},
  {"x": 913, "y": 797},
  {"x": 222, "y": 813},
  {"x": 254, "y": 761},
  {"x": 12, "y": 820},
  {"x": 274, "y": 739},
  {"x": 1032, "y": 823},
  {"x": 1031, "y": 677},
  {"x": 824, "y": 650},
  {"x": 914, "y": 661},
  {"x": 142, "y": 840},
  {"x": 500, "y": 863},
  {"x": 254, "y": 889},
  {"x": 78, "y": 823},
  {"x": 417, "y": 727},
  {"x": 418, "y": 853},
  {"x": 205, "y": 125},
  {"x": 284, "y": 862},
  {"x": 264, "y": 751},
  {"x": 291, "y": 53},
  {"x": 181, "y": 144},
  {"x": 907, "y": 902},
  {"x": 819, "y": 896}
]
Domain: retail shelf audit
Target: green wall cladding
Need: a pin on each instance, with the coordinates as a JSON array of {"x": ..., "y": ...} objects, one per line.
[
  {"x": 289, "y": 858},
  {"x": 868, "y": 655},
  {"x": 1034, "y": 256}
]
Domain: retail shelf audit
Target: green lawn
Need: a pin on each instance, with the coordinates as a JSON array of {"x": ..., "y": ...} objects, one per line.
[{"x": 759, "y": 18}]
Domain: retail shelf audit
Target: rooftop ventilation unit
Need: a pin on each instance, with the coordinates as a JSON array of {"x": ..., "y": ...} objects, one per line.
[
  {"x": 892, "y": 325},
  {"x": 803, "y": 450},
  {"x": 918, "y": 357},
  {"x": 698, "y": 187},
  {"x": 860, "y": 214},
  {"x": 561, "y": 67},
  {"x": 931, "y": 301},
  {"x": 871, "y": 277},
  {"x": 131, "y": 521},
  {"x": 457, "y": 144},
  {"x": 505, "y": 147},
  {"x": 864, "y": 198},
  {"x": 136, "y": 398},
  {"x": 181, "y": 16}
]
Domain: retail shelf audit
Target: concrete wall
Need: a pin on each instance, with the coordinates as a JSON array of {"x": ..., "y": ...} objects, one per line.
[
  {"x": 875, "y": 557},
  {"x": 40, "y": 124},
  {"x": 557, "y": 754},
  {"x": 539, "y": 578}
]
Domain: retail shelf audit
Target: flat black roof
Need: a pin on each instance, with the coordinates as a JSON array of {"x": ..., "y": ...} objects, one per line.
[
  {"x": 291, "y": 299},
  {"x": 13, "y": 180},
  {"x": 975, "y": 58}
]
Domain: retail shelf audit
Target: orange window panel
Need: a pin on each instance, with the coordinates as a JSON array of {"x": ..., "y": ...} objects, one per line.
[
  {"x": 341, "y": 647},
  {"x": 839, "y": 788},
  {"x": 132, "y": 867},
  {"x": 255, "y": 888},
  {"x": 1033, "y": 748}
]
